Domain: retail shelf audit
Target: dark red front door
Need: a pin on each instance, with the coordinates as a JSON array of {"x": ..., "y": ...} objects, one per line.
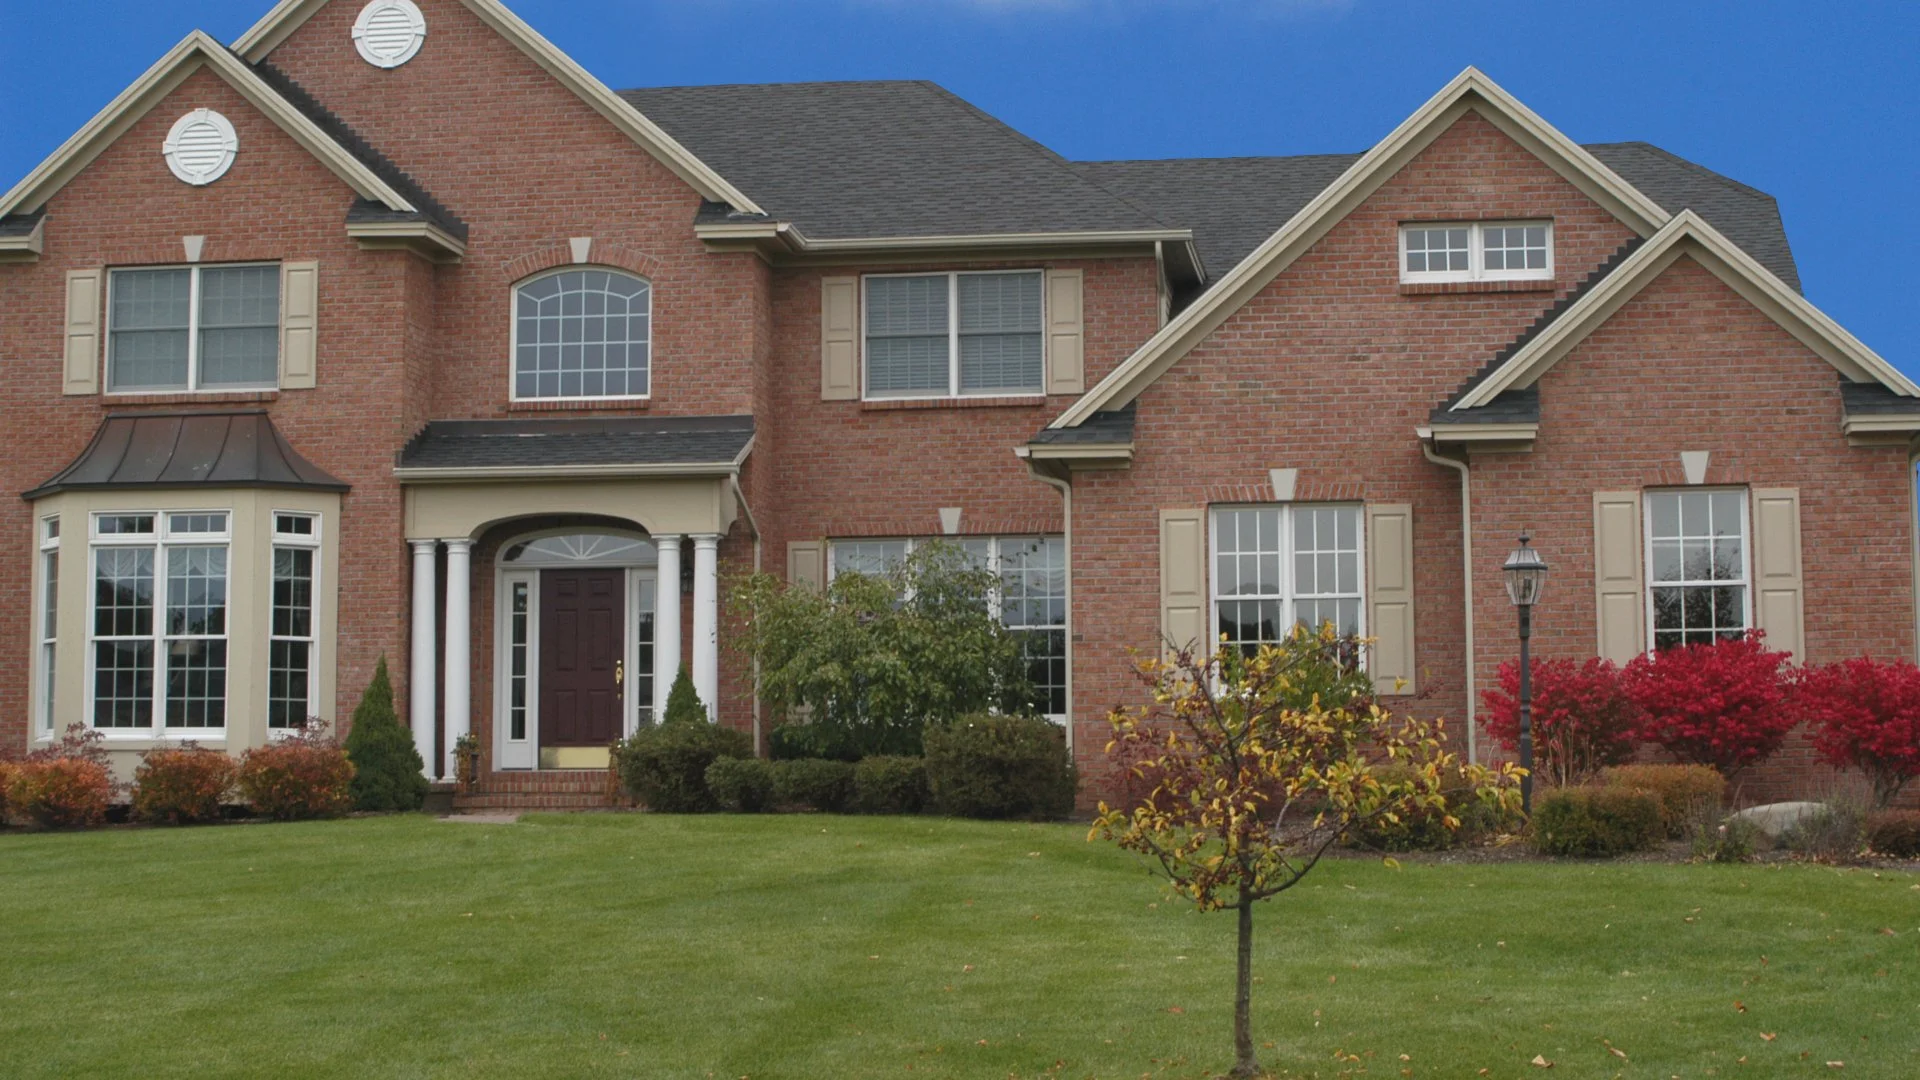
[{"x": 580, "y": 655}]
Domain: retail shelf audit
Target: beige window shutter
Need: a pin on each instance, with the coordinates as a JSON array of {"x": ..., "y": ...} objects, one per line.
[
  {"x": 1066, "y": 333},
  {"x": 1779, "y": 605},
  {"x": 299, "y": 324},
  {"x": 80, "y": 372},
  {"x": 1390, "y": 596},
  {"x": 839, "y": 339},
  {"x": 804, "y": 564},
  {"x": 1183, "y": 581},
  {"x": 1619, "y": 598}
]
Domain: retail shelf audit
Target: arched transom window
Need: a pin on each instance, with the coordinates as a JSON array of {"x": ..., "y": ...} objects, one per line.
[{"x": 582, "y": 334}]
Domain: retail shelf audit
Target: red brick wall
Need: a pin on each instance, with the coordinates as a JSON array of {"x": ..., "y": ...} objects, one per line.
[
  {"x": 276, "y": 203},
  {"x": 1696, "y": 367}
]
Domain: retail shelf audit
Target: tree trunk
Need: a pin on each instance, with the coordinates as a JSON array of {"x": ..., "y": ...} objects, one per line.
[{"x": 1244, "y": 1063}]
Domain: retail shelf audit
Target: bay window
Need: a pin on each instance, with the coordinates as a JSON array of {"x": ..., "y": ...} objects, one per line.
[
  {"x": 193, "y": 328},
  {"x": 290, "y": 644},
  {"x": 1697, "y": 566},
  {"x": 956, "y": 334},
  {"x": 1286, "y": 565},
  {"x": 48, "y": 620},
  {"x": 159, "y": 624}
]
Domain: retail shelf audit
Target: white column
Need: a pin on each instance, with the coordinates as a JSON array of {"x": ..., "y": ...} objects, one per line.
[
  {"x": 459, "y": 651},
  {"x": 666, "y": 622},
  {"x": 420, "y": 674},
  {"x": 706, "y": 622}
]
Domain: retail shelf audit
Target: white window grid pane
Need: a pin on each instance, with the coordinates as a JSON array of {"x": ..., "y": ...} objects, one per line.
[
  {"x": 49, "y": 631},
  {"x": 296, "y": 527},
  {"x": 1697, "y": 559},
  {"x": 1326, "y": 561},
  {"x": 643, "y": 662},
  {"x": 1438, "y": 250},
  {"x": 122, "y": 634},
  {"x": 908, "y": 335},
  {"x": 519, "y": 649},
  {"x": 291, "y": 639},
  {"x": 1515, "y": 248},
  {"x": 1278, "y": 567},
  {"x": 583, "y": 334},
  {"x": 1001, "y": 343},
  {"x": 193, "y": 328},
  {"x": 195, "y": 636},
  {"x": 870, "y": 557},
  {"x": 239, "y": 331},
  {"x": 1032, "y": 573}
]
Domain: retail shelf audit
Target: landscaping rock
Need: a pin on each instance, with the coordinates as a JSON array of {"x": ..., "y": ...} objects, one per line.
[{"x": 1776, "y": 818}]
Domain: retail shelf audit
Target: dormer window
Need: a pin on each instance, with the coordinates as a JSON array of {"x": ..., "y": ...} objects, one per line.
[{"x": 1477, "y": 251}]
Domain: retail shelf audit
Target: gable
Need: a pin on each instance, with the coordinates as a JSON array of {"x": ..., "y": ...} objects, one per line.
[{"x": 289, "y": 16}]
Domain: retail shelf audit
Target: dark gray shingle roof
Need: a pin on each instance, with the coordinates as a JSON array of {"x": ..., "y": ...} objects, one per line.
[
  {"x": 1112, "y": 426},
  {"x": 867, "y": 159},
  {"x": 176, "y": 450},
  {"x": 21, "y": 224},
  {"x": 1875, "y": 399},
  {"x": 648, "y": 440},
  {"x": 1747, "y": 216}
]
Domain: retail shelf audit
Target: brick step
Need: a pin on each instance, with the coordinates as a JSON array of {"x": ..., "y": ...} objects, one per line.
[
  {"x": 551, "y": 780},
  {"x": 535, "y": 801}
]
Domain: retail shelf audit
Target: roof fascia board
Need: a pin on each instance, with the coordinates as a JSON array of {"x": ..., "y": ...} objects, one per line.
[
  {"x": 424, "y": 236},
  {"x": 780, "y": 236},
  {"x": 560, "y": 472},
  {"x": 283, "y": 20},
  {"x": 1880, "y": 424},
  {"x": 1468, "y": 91},
  {"x": 1482, "y": 433},
  {"x": 1689, "y": 235},
  {"x": 25, "y": 248},
  {"x": 195, "y": 51}
]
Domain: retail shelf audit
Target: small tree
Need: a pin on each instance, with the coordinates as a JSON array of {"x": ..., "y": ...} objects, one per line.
[
  {"x": 1865, "y": 713},
  {"x": 876, "y": 657},
  {"x": 1251, "y": 787},
  {"x": 388, "y": 773},
  {"x": 683, "y": 702},
  {"x": 1723, "y": 704},
  {"x": 1583, "y": 720}
]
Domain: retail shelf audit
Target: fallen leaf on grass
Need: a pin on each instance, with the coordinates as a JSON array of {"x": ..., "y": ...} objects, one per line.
[
  {"x": 1768, "y": 1035},
  {"x": 1176, "y": 1010},
  {"x": 1836, "y": 1064},
  {"x": 1739, "y": 1006},
  {"x": 1540, "y": 1061}
]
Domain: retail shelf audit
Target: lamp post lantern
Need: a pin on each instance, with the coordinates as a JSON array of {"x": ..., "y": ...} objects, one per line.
[{"x": 1526, "y": 574}]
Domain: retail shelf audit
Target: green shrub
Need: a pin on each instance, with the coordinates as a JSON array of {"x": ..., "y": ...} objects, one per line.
[
  {"x": 741, "y": 785},
  {"x": 387, "y": 771},
  {"x": 1895, "y": 833},
  {"x": 815, "y": 783},
  {"x": 1834, "y": 833},
  {"x": 1426, "y": 829},
  {"x": 665, "y": 767},
  {"x": 683, "y": 702},
  {"x": 1000, "y": 766},
  {"x": 1687, "y": 794},
  {"x": 890, "y": 785},
  {"x": 302, "y": 776},
  {"x": 1729, "y": 841},
  {"x": 1596, "y": 822},
  {"x": 184, "y": 786}
]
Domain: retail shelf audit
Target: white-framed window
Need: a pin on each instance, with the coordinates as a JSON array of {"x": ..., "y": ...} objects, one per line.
[
  {"x": 47, "y": 619},
  {"x": 1283, "y": 565},
  {"x": 582, "y": 333},
  {"x": 159, "y": 621},
  {"x": 291, "y": 621},
  {"x": 1697, "y": 565},
  {"x": 1031, "y": 596},
  {"x": 971, "y": 333},
  {"x": 1476, "y": 251},
  {"x": 193, "y": 328}
]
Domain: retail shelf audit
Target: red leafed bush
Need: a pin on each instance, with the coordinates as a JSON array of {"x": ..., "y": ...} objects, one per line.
[
  {"x": 61, "y": 792},
  {"x": 1726, "y": 704},
  {"x": 181, "y": 787},
  {"x": 303, "y": 776},
  {"x": 1583, "y": 720},
  {"x": 1865, "y": 713}
]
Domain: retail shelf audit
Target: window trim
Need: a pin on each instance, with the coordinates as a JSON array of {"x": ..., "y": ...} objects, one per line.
[
  {"x": 954, "y": 392},
  {"x": 193, "y": 332},
  {"x": 159, "y": 539},
  {"x": 310, "y": 541},
  {"x": 1646, "y": 555},
  {"x": 46, "y": 617},
  {"x": 513, "y": 335},
  {"x": 1476, "y": 252},
  {"x": 1289, "y": 596}
]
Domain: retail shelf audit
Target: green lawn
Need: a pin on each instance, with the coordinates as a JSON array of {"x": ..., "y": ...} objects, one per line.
[{"x": 822, "y": 947}]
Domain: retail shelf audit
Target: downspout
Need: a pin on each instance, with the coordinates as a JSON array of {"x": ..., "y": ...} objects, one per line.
[
  {"x": 740, "y": 494},
  {"x": 1466, "y": 571},
  {"x": 1066, "y": 509}
]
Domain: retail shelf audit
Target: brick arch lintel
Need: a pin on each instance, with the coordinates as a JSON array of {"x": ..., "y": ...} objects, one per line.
[{"x": 560, "y": 253}]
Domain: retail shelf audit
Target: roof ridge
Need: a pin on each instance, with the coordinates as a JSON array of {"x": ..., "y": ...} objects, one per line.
[
  {"x": 1229, "y": 157},
  {"x": 769, "y": 85},
  {"x": 1691, "y": 166}
]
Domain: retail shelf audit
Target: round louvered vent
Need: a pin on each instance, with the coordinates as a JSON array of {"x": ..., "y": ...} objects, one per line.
[
  {"x": 388, "y": 32},
  {"x": 201, "y": 147}
]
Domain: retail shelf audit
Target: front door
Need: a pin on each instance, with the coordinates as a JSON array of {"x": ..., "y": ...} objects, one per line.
[{"x": 581, "y": 660}]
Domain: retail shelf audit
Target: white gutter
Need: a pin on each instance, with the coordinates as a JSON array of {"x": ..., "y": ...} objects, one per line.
[{"x": 1466, "y": 569}]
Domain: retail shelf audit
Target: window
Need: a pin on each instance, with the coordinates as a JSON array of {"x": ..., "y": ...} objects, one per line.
[
  {"x": 917, "y": 347},
  {"x": 1032, "y": 597},
  {"x": 49, "y": 615},
  {"x": 519, "y": 657},
  {"x": 582, "y": 334},
  {"x": 1696, "y": 566},
  {"x": 160, "y": 590},
  {"x": 1477, "y": 251},
  {"x": 193, "y": 328},
  {"x": 1277, "y": 567},
  {"x": 290, "y": 631}
]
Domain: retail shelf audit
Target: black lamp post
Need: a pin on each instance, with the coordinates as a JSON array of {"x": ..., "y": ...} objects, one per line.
[{"x": 1526, "y": 574}]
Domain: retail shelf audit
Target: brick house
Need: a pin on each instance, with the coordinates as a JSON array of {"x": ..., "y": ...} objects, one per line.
[{"x": 390, "y": 331}]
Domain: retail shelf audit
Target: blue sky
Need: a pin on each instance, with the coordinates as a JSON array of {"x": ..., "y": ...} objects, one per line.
[{"x": 1817, "y": 104}]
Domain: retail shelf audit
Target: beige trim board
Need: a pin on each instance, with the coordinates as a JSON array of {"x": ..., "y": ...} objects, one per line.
[
  {"x": 659, "y": 505},
  {"x": 423, "y": 236},
  {"x": 1470, "y": 91},
  {"x": 1879, "y": 424},
  {"x": 1687, "y": 235},
  {"x": 194, "y": 52},
  {"x": 25, "y": 248},
  {"x": 289, "y": 15},
  {"x": 780, "y": 238},
  {"x": 1470, "y": 434}
]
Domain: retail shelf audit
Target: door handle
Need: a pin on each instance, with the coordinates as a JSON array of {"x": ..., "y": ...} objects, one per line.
[{"x": 619, "y": 673}]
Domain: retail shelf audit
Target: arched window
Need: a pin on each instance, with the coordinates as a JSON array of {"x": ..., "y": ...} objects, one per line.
[{"x": 582, "y": 334}]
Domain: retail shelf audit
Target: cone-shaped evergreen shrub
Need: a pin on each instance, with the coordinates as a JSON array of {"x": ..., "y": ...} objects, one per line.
[
  {"x": 683, "y": 703},
  {"x": 388, "y": 771}
]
